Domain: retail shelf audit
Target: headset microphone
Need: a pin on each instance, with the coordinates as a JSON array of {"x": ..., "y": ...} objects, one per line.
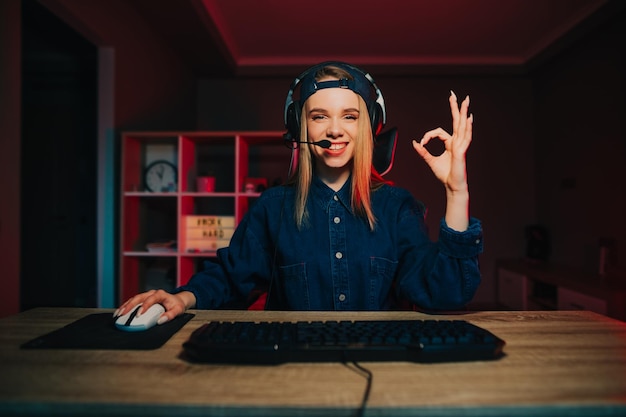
[
  {"x": 293, "y": 144},
  {"x": 321, "y": 143}
]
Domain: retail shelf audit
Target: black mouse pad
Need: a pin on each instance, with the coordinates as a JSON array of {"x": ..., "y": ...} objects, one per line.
[{"x": 98, "y": 331}]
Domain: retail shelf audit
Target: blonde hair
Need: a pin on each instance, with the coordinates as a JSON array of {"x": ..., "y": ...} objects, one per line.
[{"x": 365, "y": 179}]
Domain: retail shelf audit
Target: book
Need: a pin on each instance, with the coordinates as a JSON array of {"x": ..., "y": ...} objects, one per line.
[{"x": 162, "y": 246}]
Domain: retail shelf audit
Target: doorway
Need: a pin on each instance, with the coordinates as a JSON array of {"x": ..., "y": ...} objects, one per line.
[{"x": 59, "y": 163}]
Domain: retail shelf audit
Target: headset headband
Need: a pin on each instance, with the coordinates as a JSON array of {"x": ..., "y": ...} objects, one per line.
[{"x": 362, "y": 84}]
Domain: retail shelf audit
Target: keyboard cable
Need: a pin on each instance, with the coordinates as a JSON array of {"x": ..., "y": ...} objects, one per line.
[{"x": 367, "y": 374}]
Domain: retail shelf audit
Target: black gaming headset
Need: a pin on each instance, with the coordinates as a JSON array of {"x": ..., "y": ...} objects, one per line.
[{"x": 362, "y": 84}]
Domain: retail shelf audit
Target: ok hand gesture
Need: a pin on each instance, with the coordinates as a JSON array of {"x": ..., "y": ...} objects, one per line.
[{"x": 450, "y": 167}]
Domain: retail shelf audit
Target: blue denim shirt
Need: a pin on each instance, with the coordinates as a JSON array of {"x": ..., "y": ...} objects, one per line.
[{"x": 335, "y": 262}]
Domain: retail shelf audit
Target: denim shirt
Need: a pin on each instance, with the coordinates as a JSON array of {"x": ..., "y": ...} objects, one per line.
[{"x": 335, "y": 262}]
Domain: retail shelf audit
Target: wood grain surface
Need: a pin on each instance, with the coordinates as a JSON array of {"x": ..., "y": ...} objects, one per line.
[{"x": 555, "y": 363}]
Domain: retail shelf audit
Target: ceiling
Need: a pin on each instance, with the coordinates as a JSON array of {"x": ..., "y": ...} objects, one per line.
[{"x": 264, "y": 37}]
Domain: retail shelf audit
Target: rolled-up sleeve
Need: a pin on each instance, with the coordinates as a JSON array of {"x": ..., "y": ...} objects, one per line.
[
  {"x": 442, "y": 275},
  {"x": 466, "y": 244}
]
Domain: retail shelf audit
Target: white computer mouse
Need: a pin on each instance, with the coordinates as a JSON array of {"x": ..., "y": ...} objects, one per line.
[{"x": 129, "y": 322}]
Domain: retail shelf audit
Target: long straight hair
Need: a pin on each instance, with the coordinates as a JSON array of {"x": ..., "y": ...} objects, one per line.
[{"x": 365, "y": 179}]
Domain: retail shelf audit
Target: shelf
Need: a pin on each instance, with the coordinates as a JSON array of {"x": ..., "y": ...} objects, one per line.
[
  {"x": 153, "y": 254},
  {"x": 149, "y": 194},
  {"x": 235, "y": 159}
]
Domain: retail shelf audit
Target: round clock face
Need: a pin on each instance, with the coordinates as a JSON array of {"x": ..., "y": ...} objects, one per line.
[{"x": 160, "y": 176}]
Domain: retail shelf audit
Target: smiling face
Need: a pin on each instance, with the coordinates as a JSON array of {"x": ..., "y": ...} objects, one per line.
[{"x": 332, "y": 114}]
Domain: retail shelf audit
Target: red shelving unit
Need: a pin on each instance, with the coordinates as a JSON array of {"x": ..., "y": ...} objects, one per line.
[{"x": 148, "y": 217}]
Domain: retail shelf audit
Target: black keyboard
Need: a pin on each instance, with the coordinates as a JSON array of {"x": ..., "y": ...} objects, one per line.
[{"x": 342, "y": 341}]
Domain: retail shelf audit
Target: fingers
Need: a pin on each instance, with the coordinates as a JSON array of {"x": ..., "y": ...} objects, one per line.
[
  {"x": 462, "y": 123},
  {"x": 132, "y": 302},
  {"x": 468, "y": 128},
  {"x": 422, "y": 151},
  {"x": 146, "y": 299},
  {"x": 449, "y": 166},
  {"x": 420, "y": 147},
  {"x": 173, "y": 304},
  {"x": 459, "y": 114},
  {"x": 454, "y": 108},
  {"x": 439, "y": 134}
]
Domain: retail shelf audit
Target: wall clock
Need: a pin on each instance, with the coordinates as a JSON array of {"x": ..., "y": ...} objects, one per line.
[{"x": 160, "y": 176}]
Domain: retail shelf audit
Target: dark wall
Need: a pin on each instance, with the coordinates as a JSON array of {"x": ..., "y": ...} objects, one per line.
[
  {"x": 580, "y": 153},
  {"x": 10, "y": 113},
  {"x": 58, "y": 193}
]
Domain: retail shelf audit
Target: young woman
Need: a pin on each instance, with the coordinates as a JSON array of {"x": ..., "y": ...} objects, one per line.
[{"x": 336, "y": 236}]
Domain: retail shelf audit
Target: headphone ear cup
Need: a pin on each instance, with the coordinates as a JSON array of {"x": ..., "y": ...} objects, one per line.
[
  {"x": 292, "y": 121},
  {"x": 375, "y": 112}
]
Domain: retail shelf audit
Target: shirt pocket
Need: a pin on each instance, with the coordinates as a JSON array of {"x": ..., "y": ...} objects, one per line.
[
  {"x": 296, "y": 285},
  {"x": 382, "y": 272}
]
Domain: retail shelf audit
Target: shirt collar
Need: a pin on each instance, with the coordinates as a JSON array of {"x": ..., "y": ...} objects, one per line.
[{"x": 322, "y": 195}]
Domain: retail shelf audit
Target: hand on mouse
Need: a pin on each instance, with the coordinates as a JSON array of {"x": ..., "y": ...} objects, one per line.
[{"x": 175, "y": 304}]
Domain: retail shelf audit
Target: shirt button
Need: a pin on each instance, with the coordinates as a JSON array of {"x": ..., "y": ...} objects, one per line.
[
  {"x": 342, "y": 297},
  {"x": 335, "y": 198},
  {"x": 338, "y": 255},
  {"x": 477, "y": 241},
  {"x": 337, "y": 220}
]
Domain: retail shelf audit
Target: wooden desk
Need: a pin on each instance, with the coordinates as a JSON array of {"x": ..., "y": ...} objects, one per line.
[{"x": 556, "y": 363}]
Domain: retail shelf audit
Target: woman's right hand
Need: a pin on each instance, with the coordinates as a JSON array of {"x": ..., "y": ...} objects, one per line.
[{"x": 174, "y": 304}]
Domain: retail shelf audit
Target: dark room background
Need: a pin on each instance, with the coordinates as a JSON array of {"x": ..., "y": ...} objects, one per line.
[
  {"x": 549, "y": 147},
  {"x": 58, "y": 196}
]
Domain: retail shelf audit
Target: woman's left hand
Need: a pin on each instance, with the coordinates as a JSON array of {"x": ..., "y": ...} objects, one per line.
[{"x": 450, "y": 167}]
